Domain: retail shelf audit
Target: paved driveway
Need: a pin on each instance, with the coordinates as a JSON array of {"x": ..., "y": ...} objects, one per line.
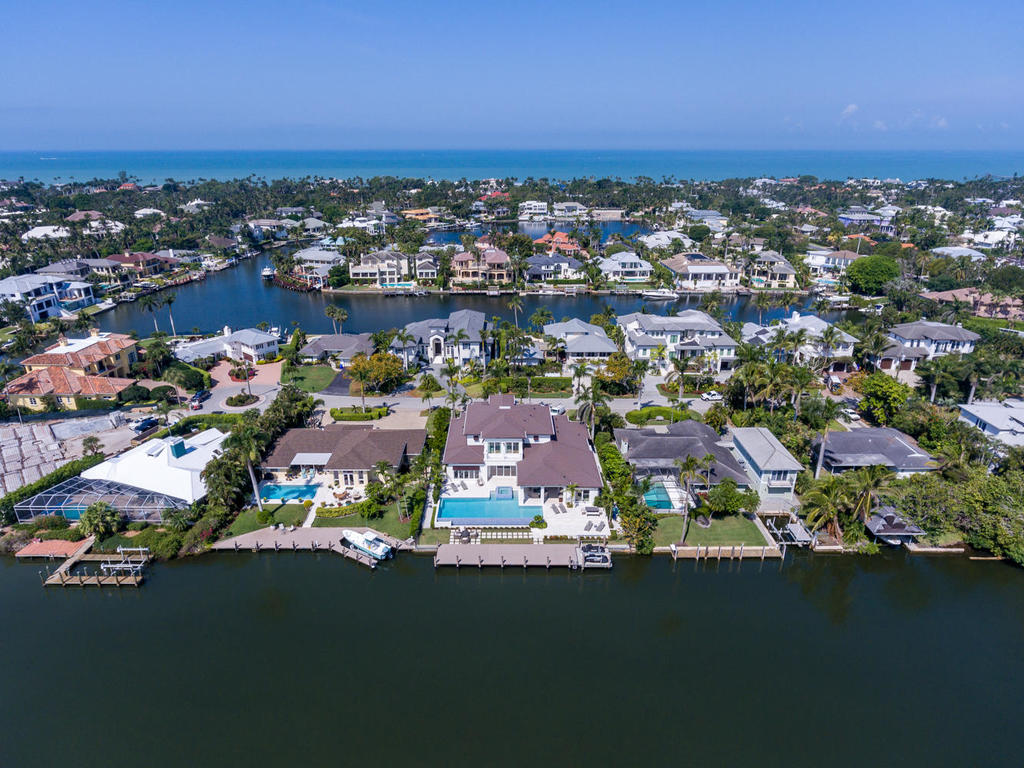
[{"x": 339, "y": 387}]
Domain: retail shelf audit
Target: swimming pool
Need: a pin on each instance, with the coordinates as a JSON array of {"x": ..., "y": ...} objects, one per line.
[
  {"x": 657, "y": 497},
  {"x": 501, "y": 509},
  {"x": 288, "y": 492}
]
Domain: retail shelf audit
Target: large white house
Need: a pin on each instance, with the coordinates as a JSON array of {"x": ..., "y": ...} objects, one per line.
[
  {"x": 839, "y": 351},
  {"x": 45, "y": 296},
  {"x": 247, "y": 345},
  {"x": 457, "y": 337},
  {"x": 625, "y": 267},
  {"x": 584, "y": 342},
  {"x": 771, "y": 468},
  {"x": 691, "y": 333},
  {"x": 1001, "y": 421},
  {"x": 924, "y": 340},
  {"x": 694, "y": 272}
]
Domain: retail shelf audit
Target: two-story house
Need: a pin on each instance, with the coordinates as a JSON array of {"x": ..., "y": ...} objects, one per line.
[
  {"x": 625, "y": 267},
  {"x": 690, "y": 334},
  {"x": 584, "y": 342},
  {"x": 924, "y": 340},
  {"x": 380, "y": 267},
  {"x": 771, "y": 270},
  {"x": 45, "y": 296},
  {"x": 694, "y": 272},
  {"x": 458, "y": 337},
  {"x": 771, "y": 468},
  {"x": 835, "y": 345},
  {"x": 481, "y": 265},
  {"x": 553, "y": 266},
  {"x": 246, "y": 345}
]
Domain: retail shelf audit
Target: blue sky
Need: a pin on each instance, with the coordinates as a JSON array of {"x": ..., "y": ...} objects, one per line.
[{"x": 730, "y": 74}]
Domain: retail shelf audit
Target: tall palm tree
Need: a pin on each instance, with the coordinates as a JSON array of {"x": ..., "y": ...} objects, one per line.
[
  {"x": 826, "y": 504},
  {"x": 689, "y": 470},
  {"x": 579, "y": 373},
  {"x": 516, "y": 305},
  {"x": 677, "y": 374},
  {"x": 249, "y": 441},
  {"x": 168, "y": 302},
  {"x": 337, "y": 316},
  {"x": 588, "y": 401},
  {"x": 406, "y": 339},
  {"x": 706, "y": 463},
  {"x": 149, "y": 303},
  {"x": 864, "y": 484}
]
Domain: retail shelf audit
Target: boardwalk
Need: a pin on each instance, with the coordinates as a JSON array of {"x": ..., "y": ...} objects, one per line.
[
  {"x": 510, "y": 556},
  {"x": 306, "y": 540}
]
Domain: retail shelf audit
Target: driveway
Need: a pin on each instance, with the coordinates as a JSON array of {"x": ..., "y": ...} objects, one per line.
[{"x": 338, "y": 387}]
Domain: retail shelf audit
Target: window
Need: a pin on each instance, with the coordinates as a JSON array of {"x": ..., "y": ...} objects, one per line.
[
  {"x": 493, "y": 448},
  {"x": 466, "y": 473},
  {"x": 511, "y": 447}
]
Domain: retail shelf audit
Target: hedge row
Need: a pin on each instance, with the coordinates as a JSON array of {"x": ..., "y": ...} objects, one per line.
[
  {"x": 69, "y": 470},
  {"x": 660, "y": 412},
  {"x": 342, "y": 414}
]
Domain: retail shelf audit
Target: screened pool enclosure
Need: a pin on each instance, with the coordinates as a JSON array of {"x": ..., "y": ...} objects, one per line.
[{"x": 71, "y": 497}]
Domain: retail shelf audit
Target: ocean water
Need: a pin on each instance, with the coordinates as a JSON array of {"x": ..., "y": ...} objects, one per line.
[{"x": 153, "y": 166}]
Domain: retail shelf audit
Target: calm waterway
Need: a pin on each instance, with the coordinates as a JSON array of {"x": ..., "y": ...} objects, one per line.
[
  {"x": 296, "y": 659},
  {"x": 239, "y": 298}
]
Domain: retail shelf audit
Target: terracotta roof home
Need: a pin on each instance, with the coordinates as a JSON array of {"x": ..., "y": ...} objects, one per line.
[
  {"x": 98, "y": 354},
  {"x": 64, "y": 384}
]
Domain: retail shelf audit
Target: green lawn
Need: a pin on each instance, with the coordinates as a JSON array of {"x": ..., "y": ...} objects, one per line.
[
  {"x": 432, "y": 536},
  {"x": 725, "y": 531},
  {"x": 389, "y": 523},
  {"x": 288, "y": 514},
  {"x": 837, "y": 426},
  {"x": 309, "y": 378},
  {"x": 669, "y": 530}
]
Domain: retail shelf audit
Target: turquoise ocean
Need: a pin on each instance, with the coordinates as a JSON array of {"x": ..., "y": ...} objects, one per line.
[{"x": 157, "y": 166}]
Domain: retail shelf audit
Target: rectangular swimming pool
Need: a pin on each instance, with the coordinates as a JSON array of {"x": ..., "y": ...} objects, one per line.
[
  {"x": 485, "y": 512},
  {"x": 658, "y": 498},
  {"x": 288, "y": 492}
]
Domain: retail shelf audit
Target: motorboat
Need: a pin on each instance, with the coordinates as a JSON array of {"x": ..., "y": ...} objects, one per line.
[
  {"x": 660, "y": 294},
  {"x": 268, "y": 273},
  {"x": 368, "y": 543}
]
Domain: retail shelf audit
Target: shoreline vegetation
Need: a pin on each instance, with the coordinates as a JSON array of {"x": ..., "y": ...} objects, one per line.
[{"x": 894, "y": 252}]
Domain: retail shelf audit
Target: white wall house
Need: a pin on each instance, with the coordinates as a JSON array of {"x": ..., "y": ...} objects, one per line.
[
  {"x": 693, "y": 272},
  {"x": 625, "y": 267},
  {"x": 689, "y": 334},
  {"x": 44, "y": 296},
  {"x": 771, "y": 468},
  {"x": 248, "y": 344},
  {"x": 1001, "y": 421}
]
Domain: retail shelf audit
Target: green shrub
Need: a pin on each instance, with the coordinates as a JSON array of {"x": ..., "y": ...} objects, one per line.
[
  {"x": 170, "y": 394},
  {"x": 361, "y": 508},
  {"x": 136, "y": 393},
  {"x": 49, "y": 522},
  {"x": 241, "y": 399},
  {"x": 347, "y": 414},
  {"x": 138, "y": 525},
  {"x": 660, "y": 412},
  {"x": 538, "y": 522},
  {"x": 88, "y": 404},
  {"x": 65, "y": 534}
]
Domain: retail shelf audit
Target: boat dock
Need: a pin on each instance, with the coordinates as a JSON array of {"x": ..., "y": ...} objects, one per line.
[
  {"x": 572, "y": 556},
  {"x": 124, "y": 568},
  {"x": 305, "y": 540},
  {"x": 728, "y": 552}
]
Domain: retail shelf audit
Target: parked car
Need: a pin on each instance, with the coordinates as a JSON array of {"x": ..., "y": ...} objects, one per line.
[
  {"x": 557, "y": 410},
  {"x": 201, "y": 395},
  {"x": 711, "y": 397},
  {"x": 143, "y": 425},
  {"x": 850, "y": 415}
]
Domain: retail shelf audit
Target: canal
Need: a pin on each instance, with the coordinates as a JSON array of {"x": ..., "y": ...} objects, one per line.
[
  {"x": 296, "y": 659},
  {"x": 238, "y": 297}
]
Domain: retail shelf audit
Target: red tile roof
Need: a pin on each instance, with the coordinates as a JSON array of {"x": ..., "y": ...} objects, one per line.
[
  {"x": 103, "y": 347},
  {"x": 62, "y": 382}
]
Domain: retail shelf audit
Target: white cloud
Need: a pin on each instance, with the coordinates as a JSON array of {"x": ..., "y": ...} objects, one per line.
[
  {"x": 879, "y": 125},
  {"x": 848, "y": 111},
  {"x": 940, "y": 122}
]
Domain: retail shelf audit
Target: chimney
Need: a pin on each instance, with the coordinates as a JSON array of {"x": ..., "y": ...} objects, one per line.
[{"x": 94, "y": 332}]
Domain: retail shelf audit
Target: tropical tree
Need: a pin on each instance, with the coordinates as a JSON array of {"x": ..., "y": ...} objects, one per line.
[
  {"x": 826, "y": 505},
  {"x": 864, "y": 485},
  {"x": 150, "y": 303},
  {"x": 580, "y": 371},
  {"x": 516, "y": 305},
  {"x": 168, "y": 301},
  {"x": 100, "y": 520},
  {"x": 91, "y": 445},
  {"x": 249, "y": 440},
  {"x": 588, "y": 401},
  {"x": 359, "y": 370},
  {"x": 406, "y": 339},
  {"x": 677, "y": 375},
  {"x": 337, "y": 315}
]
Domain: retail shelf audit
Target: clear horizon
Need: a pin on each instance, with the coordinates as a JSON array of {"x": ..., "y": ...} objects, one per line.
[{"x": 735, "y": 76}]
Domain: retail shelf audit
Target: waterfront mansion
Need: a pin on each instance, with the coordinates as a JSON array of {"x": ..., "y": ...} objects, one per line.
[
  {"x": 691, "y": 333},
  {"x": 542, "y": 457}
]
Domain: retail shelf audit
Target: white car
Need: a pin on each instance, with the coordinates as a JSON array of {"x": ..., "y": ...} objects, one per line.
[
  {"x": 710, "y": 397},
  {"x": 850, "y": 415}
]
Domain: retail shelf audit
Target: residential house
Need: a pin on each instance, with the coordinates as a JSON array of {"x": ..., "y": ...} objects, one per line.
[
  {"x": 924, "y": 340},
  {"x": 246, "y": 345},
  {"x": 666, "y": 238},
  {"x": 82, "y": 268},
  {"x": 541, "y": 457},
  {"x": 45, "y": 296},
  {"x": 426, "y": 267},
  {"x": 558, "y": 242},
  {"x": 625, "y": 267},
  {"x": 569, "y": 210},
  {"x": 142, "y": 483},
  {"x": 46, "y": 233},
  {"x": 584, "y": 342},
  {"x": 345, "y": 454},
  {"x": 482, "y": 265},
  {"x": 772, "y": 469},
  {"x": 312, "y": 226},
  {"x": 458, "y": 337},
  {"x": 690, "y": 334},
  {"x": 694, "y": 272},
  {"x": 607, "y": 214},
  {"x": 141, "y": 264},
  {"x": 770, "y": 270},
  {"x": 869, "y": 446},
  {"x": 67, "y": 389},
  {"x": 979, "y": 303},
  {"x": 839, "y": 353},
  {"x": 340, "y": 346},
  {"x": 828, "y": 265},
  {"x": 1002, "y": 421},
  {"x": 653, "y": 452},
  {"x": 886, "y": 524},
  {"x": 553, "y": 266},
  {"x": 529, "y": 208},
  {"x": 100, "y": 354},
  {"x": 380, "y": 267},
  {"x": 143, "y": 213}
]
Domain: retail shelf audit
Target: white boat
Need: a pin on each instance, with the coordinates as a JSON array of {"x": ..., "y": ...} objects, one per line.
[
  {"x": 367, "y": 543},
  {"x": 268, "y": 273},
  {"x": 660, "y": 294}
]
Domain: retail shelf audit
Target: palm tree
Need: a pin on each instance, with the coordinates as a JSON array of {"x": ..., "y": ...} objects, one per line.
[
  {"x": 825, "y": 504},
  {"x": 337, "y": 316},
  {"x": 249, "y": 441},
  {"x": 706, "y": 463},
  {"x": 169, "y": 302},
  {"x": 588, "y": 401},
  {"x": 763, "y": 301},
  {"x": 864, "y": 484},
  {"x": 579, "y": 373},
  {"x": 456, "y": 339},
  {"x": 689, "y": 470},
  {"x": 677, "y": 376},
  {"x": 406, "y": 339},
  {"x": 516, "y": 305},
  {"x": 800, "y": 380},
  {"x": 149, "y": 303},
  {"x": 541, "y": 317}
]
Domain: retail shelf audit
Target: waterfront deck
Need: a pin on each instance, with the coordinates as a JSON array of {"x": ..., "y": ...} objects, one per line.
[
  {"x": 125, "y": 568},
  {"x": 305, "y": 540},
  {"x": 517, "y": 556}
]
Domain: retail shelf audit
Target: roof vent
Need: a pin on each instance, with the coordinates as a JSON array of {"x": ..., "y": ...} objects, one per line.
[{"x": 178, "y": 448}]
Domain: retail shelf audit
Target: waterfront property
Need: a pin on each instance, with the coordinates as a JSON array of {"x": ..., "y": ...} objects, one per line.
[
  {"x": 653, "y": 451},
  {"x": 142, "y": 483},
  {"x": 695, "y": 272},
  {"x": 553, "y": 266},
  {"x": 625, "y": 267},
  {"x": 456, "y": 337},
  {"x": 584, "y": 342},
  {"x": 771, "y": 270},
  {"x": 46, "y": 296},
  {"x": 481, "y": 264},
  {"x": 339, "y": 346},
  {"x": 1002, "y": 421},
  {"x": 886, "y": 524},
  {"x": 869, "y": 446},
  {"x": 689, "y": 334},
  {"x": 342, "y": 455},
  {"x": 68, "y": 389},
  {"x": 380, "y": 268},
  {"x": 246, "y": 345},
  {"x": 924, "y": 340},
  {"x": 99, "y": 354},
  {"x": 772, "y": 469},
  {"x": 506, "y": 461},
  {"x": 834, "y": 346}
]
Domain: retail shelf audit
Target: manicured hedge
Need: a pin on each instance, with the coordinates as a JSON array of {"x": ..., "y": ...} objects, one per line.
[
  {"x": 662, "y": 413},
  {"x": 372, "y": 414}
]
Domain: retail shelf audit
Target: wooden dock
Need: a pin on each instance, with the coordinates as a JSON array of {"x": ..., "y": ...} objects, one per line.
[
  {"x": 515, "y": 556},
  {"x": 119, "y": 569},
  {"x": 304, "y": 540},
  {"x": 727, "y": 552}
]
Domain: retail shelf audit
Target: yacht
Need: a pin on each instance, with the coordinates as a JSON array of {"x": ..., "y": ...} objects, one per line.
[
  {"x": 367, "y": 543},
  {"x": 268, "y": 273},
  {"x": 660, "y": 294}
]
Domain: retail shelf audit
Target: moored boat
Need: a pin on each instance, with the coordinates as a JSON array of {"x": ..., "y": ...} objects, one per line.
[
  {"x": 267, "y": 273},
  {"x": 660, "y": 294},
  {"x": 367, "y": 543}
]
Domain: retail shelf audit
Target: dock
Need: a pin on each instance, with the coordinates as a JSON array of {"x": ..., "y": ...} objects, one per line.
[
  {"x": 725, "y": 552},
  {"x": 547, "y": 556},
  {"x": 305, "y": 540},
  {"x": 124, "y": 568}
]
